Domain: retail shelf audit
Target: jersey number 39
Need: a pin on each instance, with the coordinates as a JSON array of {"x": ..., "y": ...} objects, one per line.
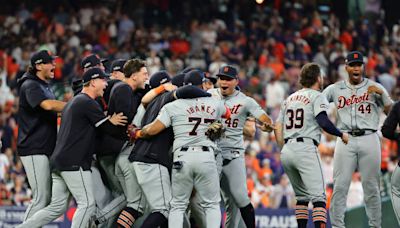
[{"x": 295, "y": 118}]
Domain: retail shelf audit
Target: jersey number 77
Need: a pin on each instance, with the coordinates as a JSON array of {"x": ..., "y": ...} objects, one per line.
[{"x": 197, "y": 121}]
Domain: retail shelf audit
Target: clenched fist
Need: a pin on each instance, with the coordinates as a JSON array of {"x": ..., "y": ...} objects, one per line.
[{"x": 375, "y": 89}]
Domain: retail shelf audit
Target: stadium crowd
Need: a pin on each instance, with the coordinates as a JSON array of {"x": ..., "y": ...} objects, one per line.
[{"x": 267, "y": 42}]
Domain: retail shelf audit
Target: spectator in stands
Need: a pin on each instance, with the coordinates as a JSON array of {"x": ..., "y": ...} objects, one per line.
[
  {"x": 261, "y": 195},
  {"x": 283, "y": 194}
]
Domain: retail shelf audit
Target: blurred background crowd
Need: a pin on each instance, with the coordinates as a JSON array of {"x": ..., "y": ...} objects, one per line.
[{"x": 268, "y": 41}]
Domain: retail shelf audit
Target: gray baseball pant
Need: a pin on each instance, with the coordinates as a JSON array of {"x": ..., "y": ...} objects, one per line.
[
  {"x": 37, "y": 169},
  {"x": 196, "y": 211},
  {"x": 155, "y": 184},
  {"x": 127, "y": 177},
  {"x": 234, "y": 190},
  {"x": 362, "y": 152},
  {"x": 107, "y": 163},
  {"x": 79, "y": 184},
  {"x": 199, "y": 171},
  {"x": 302, "y": 164},
  {"x": 107, "y": 206}
]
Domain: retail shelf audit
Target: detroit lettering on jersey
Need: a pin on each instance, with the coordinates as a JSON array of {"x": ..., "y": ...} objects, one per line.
[
  {"x": 200, "y": 108},
  {"x": 354, "y": 99},
  {"x": 357, "y": 109},
  {"x": 235, "y": 109},
  {"x": 241, "y": 107}
]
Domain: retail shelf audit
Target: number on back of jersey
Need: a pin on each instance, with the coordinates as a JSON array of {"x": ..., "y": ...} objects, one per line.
[
  {"x": 197, "y": 122},
  {"x": 295, "y": 118}
]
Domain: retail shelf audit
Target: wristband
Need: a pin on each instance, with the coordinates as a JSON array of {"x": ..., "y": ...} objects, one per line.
[
  {"x": 159, "y": 89},
  {"x": 138, "y": 134}
]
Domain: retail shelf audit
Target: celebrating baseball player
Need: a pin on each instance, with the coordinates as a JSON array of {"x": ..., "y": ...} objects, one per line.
[
  {"x": 72, "y": 157},
  {"x": 359, "y": 102},
  {"x": 233, "y": 180},
  {"x": 37, "y": 130},
  {"x": 298, "y": 131},
  {"x": 194, "y": 164}
]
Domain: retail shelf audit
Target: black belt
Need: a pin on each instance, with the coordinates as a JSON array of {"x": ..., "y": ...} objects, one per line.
[
  {"x": 300, "y": 139},
  {"x": 360, "y": 132},
  {"x": 203, "y": 148}
]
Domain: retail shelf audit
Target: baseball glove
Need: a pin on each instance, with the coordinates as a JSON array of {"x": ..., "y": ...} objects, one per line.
[{"x": 215, "y": 130}]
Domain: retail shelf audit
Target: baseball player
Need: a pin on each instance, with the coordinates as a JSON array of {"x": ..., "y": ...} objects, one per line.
[
  {"x": 359, "y": 102},
  {"x": 87, "y": 63},
  {"x": 298, "y": 131},
  {"x": 125, "y": 98},
  {"x": 249, "y": 129},
  {"x": 389, "y": 131},
  {"x": 194, "y": 164},
  {"x": 151, "y": 158},
  {"x": 72, "y": 157},
  {"x": 91, "y": 61},
  {"x": 107, "y": 147},
  {"x": 37, "y": 132},
  {"x": 106, "y": 204},
  {"x": 116, "y": 75},
  {"x": 233, "y": 180}
]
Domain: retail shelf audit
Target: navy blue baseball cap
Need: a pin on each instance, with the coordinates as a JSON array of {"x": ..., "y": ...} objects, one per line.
[
  {"x": 159, "y": 78},
  {"x": 93, "y": 73},
  {"x": 177, "y": 80},
  {"x": 355, "y": 57},
  {"x": 92, "y": 61},
  {"x": 118, "y": 65},
  {"x": 227, "y": 71},
  {"x": 42, "y": 56},
  {"x": 194, "y": 77}
]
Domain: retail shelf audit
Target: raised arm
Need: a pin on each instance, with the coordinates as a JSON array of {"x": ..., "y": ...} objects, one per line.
[{"x": 153, "y": 93}]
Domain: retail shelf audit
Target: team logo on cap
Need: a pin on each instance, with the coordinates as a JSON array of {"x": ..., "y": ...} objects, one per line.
[
  {"x": 226, "y": 69},
  {"x": 87, "y": 65},
  {"x": 117, "y": 68},
  {"x": 355, "y": 55},
  {"x": 163, "y": 80}
]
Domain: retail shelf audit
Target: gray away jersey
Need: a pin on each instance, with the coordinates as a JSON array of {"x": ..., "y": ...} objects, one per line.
[
  {"x": 356, "y": 108},
  {"x": 241, "y": 107},
  {"x": 190, "y": 118},
  {"x": 298, "y": 114}
]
